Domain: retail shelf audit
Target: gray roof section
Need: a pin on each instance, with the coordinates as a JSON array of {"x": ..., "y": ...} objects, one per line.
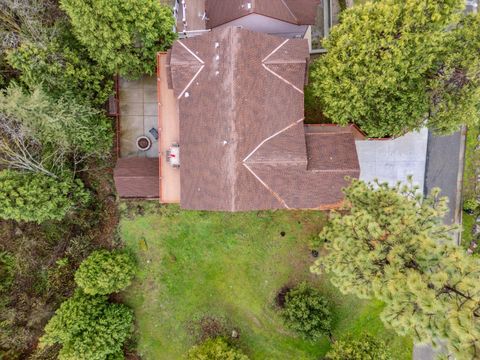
[{"x": 394, "y": 160}]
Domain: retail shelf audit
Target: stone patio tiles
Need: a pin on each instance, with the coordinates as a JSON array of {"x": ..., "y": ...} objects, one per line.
[{"x": 138, "y": 114}]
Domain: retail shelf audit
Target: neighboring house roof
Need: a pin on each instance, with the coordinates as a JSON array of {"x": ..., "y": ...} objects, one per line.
[
  {"x": 242, "y": 138},
  {"x": 137, "y": 178},
  {"x": 299, "y": 12}
]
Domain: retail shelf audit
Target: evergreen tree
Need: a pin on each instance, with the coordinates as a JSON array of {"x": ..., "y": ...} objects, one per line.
[
  {"x": 105, "y": 272},
  {"x": 26, "y": 196},
  {"x": 391, "y": 245},
  {"x": 122, "y": 36},
  {"x": 392, "y": 64},
  {"x": 89, "y": 328}
]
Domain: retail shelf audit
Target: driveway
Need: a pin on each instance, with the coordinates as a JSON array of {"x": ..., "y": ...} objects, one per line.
[{"x": 444, "y": 170}]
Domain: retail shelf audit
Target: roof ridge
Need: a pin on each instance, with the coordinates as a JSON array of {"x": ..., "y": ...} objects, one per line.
[{"x": 233, "y": 98}]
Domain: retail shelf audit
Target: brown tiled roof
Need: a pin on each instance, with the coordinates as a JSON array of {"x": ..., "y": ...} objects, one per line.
[
  {"x": 299, "y": 12},
  {"x": 242, "y": 137},
  {"x": 137, "y": 178}
]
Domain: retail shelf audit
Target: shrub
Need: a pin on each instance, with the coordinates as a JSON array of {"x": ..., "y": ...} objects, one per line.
[
  {"x": 89, "y": 328},
  {"x": 215, "y": 349},
  {"x": 105, "y": 272},
  {"x": 123, "y": 36},
  {"x": 26, "y": 196},
  {"x": 307, "y": 312},
  {"x": 392, "y": 64},
  {"x": 364, "y": 348},
  {"x": 470, "y": 205},
  {"x": 7, "y": 271}
]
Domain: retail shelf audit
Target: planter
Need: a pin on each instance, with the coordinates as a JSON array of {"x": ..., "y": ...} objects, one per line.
[{"x": 143, "y": 143}]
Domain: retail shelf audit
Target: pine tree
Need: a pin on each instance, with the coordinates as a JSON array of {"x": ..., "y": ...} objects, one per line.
[{"x": 392, "y": 245}]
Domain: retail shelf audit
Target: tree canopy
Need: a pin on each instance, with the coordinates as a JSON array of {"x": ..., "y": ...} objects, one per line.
[
  {"x": 89, "y": 328},
  {"x": 61, "y": 65},
  {"x": 123, "y": 36},
  {"x": 392, "y": 245},
  {"x": 397, "y": 65},
  {"x": 27, "y": 196}
]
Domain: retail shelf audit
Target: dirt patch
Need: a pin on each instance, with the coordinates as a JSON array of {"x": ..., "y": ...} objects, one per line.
[{"x": 280, "y": 299}]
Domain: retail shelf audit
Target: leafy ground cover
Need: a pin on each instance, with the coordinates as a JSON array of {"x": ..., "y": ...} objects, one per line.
[{"x": 231, "y": 266}]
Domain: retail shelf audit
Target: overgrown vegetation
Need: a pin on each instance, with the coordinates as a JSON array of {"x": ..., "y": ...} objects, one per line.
[
  {"x": 38, "y": 197},
  {"x": 392, "y": 246},
  {"x": 55, "y": 160},
  {"x": 395, "y": 66},
  {"x": 122, "y": 36}
]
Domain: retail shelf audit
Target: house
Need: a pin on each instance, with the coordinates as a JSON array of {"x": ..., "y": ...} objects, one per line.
[
  {"x": 286, "y": 18},
  {"x": 243, "y": 144},
  {"x": 236, "y": 114}
]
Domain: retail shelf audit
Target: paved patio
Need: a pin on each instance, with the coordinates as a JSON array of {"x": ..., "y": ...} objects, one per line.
[{"x": 138, "y": 114}]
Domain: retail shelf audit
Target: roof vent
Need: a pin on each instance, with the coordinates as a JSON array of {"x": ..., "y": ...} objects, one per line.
[
  {"x": 217, "y": 44},
  {"x": 187, "y": 94},
  {"x": 249, "y": 6},
  {"x": 217, "y": 57}
]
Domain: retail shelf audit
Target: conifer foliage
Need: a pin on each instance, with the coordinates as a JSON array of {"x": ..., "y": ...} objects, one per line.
[
  {"x": 392, "y": 245},
  {"x": 393, "y": 65}
]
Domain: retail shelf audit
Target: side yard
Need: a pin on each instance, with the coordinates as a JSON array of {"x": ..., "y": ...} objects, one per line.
[
  {"x": 470, "y": 185},
  {"x": 197, "y": 266}
]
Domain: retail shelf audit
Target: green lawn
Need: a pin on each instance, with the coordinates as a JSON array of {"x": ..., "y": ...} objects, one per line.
[
  {"x": 468, "y": 223},
  {"x": 231, "y": 266}
]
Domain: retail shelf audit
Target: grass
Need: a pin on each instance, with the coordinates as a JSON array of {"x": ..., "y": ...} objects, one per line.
[
  {"x": 472, "y": 162},
  {"x": 468, "y": 223},
  {"x": 231, "y": 266}
]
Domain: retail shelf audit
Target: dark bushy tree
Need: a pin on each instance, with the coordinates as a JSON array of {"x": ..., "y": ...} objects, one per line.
[
  {"x": 123, "y": 36},
  {"x": 26, "y": 196},
  {"x": 392, "y": 245},
  {"x": 393, "y": 66},
  {"x": 364, "y": 348},
  {"x": 89, "y": 328},
  {"x": 63, "y": 68},
  {"x": 105, "y": 272},
  {"x": 215, "y": 349},
  {"x": 307, "y": 312}
]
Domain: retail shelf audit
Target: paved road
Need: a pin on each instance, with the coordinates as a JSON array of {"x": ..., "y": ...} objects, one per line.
[{"x": 444, "y": 166}]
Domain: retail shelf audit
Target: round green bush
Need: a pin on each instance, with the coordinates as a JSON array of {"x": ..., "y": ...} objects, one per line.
[
  {"x": 364, "y": 348},
  {"x": 307, "y": 312},
  {"x": 215, "y": 349},
  {"x": 105, "y": 272},
  {"x": 89, "y": 327}
]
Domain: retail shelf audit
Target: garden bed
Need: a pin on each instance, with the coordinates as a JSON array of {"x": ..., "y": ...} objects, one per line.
[{"x": 197, "y": 265}]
